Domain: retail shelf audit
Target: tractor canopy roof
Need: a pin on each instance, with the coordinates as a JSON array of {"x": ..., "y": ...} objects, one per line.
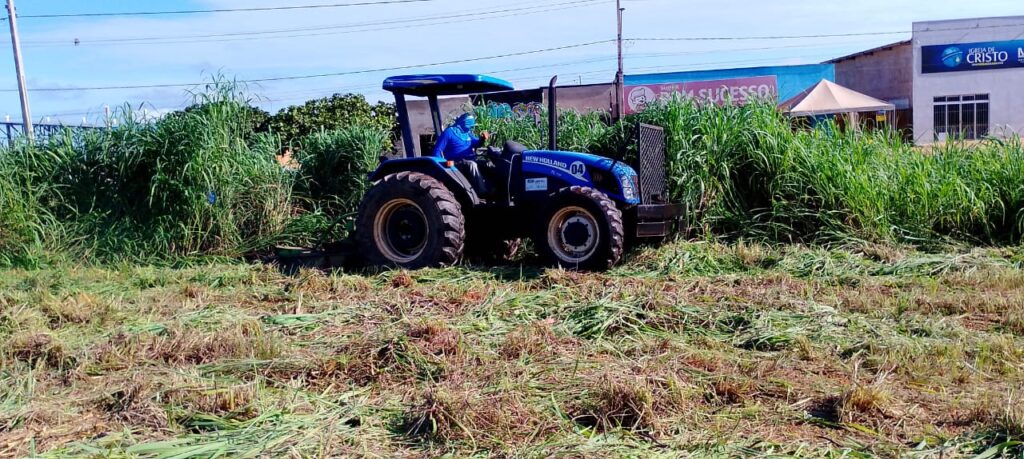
[{"x": 444, "y": 85}]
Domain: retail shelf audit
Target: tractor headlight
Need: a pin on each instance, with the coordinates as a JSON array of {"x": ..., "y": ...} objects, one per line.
[{"x": 630, "y": 188}]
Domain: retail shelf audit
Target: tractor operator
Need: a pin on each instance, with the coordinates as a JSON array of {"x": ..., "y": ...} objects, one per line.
[{"x": 458, "y": 144}]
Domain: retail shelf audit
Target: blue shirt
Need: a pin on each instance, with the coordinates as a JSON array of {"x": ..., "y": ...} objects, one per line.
[{"x": 456, "y": 144}]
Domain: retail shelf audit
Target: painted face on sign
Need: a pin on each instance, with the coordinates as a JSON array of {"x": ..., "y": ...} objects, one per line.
[{"x": 639, "y": 97}]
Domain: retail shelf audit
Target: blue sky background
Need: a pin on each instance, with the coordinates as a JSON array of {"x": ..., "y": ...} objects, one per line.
[{"x": 110, "y": 54}]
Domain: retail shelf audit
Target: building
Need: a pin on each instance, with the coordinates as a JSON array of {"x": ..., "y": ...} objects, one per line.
[
  {"x": 968, "y": 78},
  {"x": 886, "y": 73},
  {"x": 736, "y": 85}
]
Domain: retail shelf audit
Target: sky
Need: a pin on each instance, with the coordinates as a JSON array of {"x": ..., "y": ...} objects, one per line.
[{"x": 192, "y": 49}]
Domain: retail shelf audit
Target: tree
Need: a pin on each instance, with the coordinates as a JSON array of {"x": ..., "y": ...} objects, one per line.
[{"x": 330, "y": 113}]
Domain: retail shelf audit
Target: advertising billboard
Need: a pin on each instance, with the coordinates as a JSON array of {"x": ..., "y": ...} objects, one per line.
[
  {"x": 735, "y": 90},
  {"x": 966, "y": 57}
]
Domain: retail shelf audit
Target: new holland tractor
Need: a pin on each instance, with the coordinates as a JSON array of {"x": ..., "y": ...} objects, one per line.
[{"x": 579, "y": 209}]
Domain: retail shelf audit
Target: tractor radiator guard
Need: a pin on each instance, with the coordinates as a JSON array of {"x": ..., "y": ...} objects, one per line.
[{"x": 655, "y": 216}]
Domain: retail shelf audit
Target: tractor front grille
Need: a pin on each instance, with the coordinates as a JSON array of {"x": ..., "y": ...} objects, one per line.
[{"x": 650, "y": 163}]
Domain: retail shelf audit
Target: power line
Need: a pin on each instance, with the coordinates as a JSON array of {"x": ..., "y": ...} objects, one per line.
[
  {"x": 690, "y": 67},
  {"x": 460, "y": 61},
  {"x": 594, "y": 60},
  {"x": 222, "y": 10},
  {"x": 322, "y": 75},
  {"x": 406, "y": 24},
  {"x": 298, "y": 95},
  {"x": 833, "y": 35},
  {"x": 282, "y": 96},
  {"x": 286, "y": 97},
  {"x": 304, "y": 95},
  {"x": 177, "y": 38},
  {"x": 766, "y": 37},
  {"x": 291, "y": 95}
]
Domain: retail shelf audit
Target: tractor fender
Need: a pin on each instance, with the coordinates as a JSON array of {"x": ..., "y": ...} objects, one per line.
[{"x": 436, "y": 168}]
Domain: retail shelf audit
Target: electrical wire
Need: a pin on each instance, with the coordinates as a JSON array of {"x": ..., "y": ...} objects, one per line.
[
  {"x": 297, "y": 95},
  {"x": 256, "y": 34},
  {"x": 310, "y": 94},
  {"x": 293, "y": 95},
  {"x": 322, "y": 75},
  {"x": 288, "y": 96},
  {"x": 400, "y": 27},
  {"x": 669, "y": 39},
  {"x": 610, "y": 72},
  {"x": 221, "y": 10},
  {"x": 833, "y": 35},
  {"x": 594, "y": 60}
]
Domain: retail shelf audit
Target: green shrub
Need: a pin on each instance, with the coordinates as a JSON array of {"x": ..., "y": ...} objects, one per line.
[
  {"x": 335, "y": 164},
  {"x": 588, "y": 132},
  {"x": 505, "y": 126},
  {"x": 329, "y": 113}
]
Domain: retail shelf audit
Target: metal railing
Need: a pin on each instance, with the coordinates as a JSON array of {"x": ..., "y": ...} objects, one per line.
[{"x": 42, "y": 132}]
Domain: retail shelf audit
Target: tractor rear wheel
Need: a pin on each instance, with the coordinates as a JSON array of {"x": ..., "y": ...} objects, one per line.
[
  {"x": 410, "y": 220},
  {"x": 581, "y": 229}
]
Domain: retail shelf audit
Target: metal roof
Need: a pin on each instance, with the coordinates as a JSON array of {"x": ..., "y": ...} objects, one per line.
[
  {"x": 869, "y": 52},
  {"x": 444, "y": 85}
]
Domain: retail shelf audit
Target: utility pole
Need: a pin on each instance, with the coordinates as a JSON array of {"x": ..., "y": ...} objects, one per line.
[
  {"x": 26, "y": 112},
  {"x": 619, "y": 75}
]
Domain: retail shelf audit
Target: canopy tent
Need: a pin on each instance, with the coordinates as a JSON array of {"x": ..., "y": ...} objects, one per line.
[{"x": 828, "y": 98}]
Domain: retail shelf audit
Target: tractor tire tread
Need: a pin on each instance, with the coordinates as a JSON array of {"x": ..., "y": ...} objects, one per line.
[{"x": 448, "y": 211}]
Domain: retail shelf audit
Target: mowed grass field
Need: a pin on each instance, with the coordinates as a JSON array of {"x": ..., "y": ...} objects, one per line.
[{"x": 689, "y": 350}]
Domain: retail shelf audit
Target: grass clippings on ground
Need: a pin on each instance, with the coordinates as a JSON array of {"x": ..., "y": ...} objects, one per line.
[{"x": 692, "y": 349}]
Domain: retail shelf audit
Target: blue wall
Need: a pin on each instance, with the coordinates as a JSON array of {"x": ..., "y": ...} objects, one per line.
[{"x": 793, "y": 79}]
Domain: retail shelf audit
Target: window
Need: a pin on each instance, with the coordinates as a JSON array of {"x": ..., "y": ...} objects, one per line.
[{"x": 964, "y": 117}]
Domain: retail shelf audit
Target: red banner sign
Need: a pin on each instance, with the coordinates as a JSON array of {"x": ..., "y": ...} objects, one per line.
[{"x": 737, "y": 90}]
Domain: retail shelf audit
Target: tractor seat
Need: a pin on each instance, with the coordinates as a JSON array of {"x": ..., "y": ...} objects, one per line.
[{"x": 511, "y": 149}]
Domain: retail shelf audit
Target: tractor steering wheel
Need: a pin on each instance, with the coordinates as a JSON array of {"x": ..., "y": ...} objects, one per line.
[{"x": 493, "y": 153}]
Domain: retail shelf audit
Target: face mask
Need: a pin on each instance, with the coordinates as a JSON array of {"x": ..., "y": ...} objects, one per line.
[{"x": 467, "y": 123}]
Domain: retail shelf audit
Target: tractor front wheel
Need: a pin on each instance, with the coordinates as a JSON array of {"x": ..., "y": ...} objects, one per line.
[
  {"x": 581, "y": 229},
  {"x": 410, "y": 220}
]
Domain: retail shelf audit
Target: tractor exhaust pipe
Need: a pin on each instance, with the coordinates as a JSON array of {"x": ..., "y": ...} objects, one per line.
[{"x": 553, "y": 114}]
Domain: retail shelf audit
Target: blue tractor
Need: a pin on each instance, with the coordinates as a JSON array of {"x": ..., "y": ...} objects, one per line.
[{"x": 579, "y": 209}]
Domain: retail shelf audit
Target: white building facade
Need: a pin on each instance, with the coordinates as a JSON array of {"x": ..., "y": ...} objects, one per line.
[{"x": 968, "y": 78}]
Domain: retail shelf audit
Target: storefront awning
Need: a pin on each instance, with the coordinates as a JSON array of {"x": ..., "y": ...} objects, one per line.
[{"x": 828, "y": 98}]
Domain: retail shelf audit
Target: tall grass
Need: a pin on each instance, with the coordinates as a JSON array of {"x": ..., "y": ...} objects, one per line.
[
  {"x": 335, "y": 164},
  {"x": 588, "y": 132},
  {"x": 874, "y": 186},
  {"x": 194, "y": 182},
  {"x": 23, "y": 218},
  {"x": 201, "y": 181},
  {"x": 744, "y": 171}
]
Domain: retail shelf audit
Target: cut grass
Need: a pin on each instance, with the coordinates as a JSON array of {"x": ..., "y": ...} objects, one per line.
[{"x": 814, "y": 353}]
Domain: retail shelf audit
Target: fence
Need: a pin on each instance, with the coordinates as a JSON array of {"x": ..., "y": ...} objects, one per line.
[{"x": 42, "y": 132}]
